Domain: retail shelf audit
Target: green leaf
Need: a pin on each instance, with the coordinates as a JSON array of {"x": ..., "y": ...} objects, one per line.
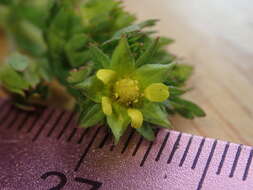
[
  {"x": 92, "y": 88},
  {"x": 99, "y": 57},
  {"x": 18, "y": 61},
  {"x": 32, "y": 78},
  {"x": 118, "y": 121},
  {"x": 148, "y": 54},
  {"x": 148, "y": 23},
  {"x": 152, "y": 73},
  {"x": 122, "y": 59},
  {"x": 77, "y": 50},
  {"x": 186, "y": 108},
  {"x": 45, "y": 69},
  {"x": 12, "y": 80},
  {"x": 153, "y": 113},
  {"x": 93, "y": 116},
  {"x": 135, "y": 28},
  {"x": 180, "y": 74},
  {"x": 146, "y": 131},
  {"x": 174, "y": 91},
  {"x": 164, "y": 41},
  {"x": 77, "y": 76}
]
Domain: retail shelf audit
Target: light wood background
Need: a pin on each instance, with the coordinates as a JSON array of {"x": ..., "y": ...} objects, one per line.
[{"x": 216, "y": 36}]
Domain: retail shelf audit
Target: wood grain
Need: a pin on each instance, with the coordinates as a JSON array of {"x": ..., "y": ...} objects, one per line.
[{"x": 216, "y": 37}]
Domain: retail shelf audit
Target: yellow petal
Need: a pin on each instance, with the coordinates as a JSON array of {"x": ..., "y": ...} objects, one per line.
[
  {"x": 106, "y": 75},
  {"x": 136, "y": 117},
  {"x": 157, "y": 92},
  {"x": 106, "y": 105}
]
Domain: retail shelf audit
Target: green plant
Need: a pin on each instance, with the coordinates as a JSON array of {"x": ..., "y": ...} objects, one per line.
[{"x": 118, "y": 72}]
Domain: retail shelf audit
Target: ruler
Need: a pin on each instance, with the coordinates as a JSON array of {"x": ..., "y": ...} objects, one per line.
[{"x": 46, "y": 150}]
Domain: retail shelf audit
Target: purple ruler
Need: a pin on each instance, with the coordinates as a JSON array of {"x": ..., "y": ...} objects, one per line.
[{"x": 46, "y": 150}]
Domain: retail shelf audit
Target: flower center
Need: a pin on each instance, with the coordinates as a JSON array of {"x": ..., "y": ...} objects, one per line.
[{"x": 127, "y": 91}]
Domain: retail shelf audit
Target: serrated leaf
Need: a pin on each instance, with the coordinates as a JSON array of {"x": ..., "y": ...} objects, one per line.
[
  {"x": 152, "y": 73},
  {"x": 148, "y": 54},
  {"x": 153, "y": 113},
  {"x": 18, "y": 61},
  {"x": 99, "y": 57},
  {"x": 187, "y": 108},
  {"x": 118, "y": 121},
  {"x": 146, "y": 131},
  {"x": 122, "y": 59},
  {"x": 181, "y": 73},
  {"x": 93, "y": 116}
]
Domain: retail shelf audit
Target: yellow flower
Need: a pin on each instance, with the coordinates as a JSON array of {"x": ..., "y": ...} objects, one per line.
[{"x": 126, "y": 92}]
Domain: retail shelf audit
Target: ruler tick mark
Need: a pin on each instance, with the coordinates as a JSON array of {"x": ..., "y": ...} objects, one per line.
[
  {"x": 86, "y": 150},
  {"x": 43, "y": 125},
  {"x": 5, "y": 116},
  {"x": 33, "y": 123},
  {"x": 148, "y": 150},
  {"x": 223, "y": 158},
  {"x": 137, "y": 146},
  {"x": 22, "y": 124},
  {"x": 207, "y": 165},
  {"x": 174, "y": 149},
  {"x": 72, "y": 134},
  {"x": 235, "y": 161},
  {"x": 198, "y": 154},
  {"x": 162, "y": 146},
  {"x": 67, "y": 124},
  {"x": 83, "y": 134},
  {"x": 101, "y": 145},
  {"x": 112, "y": 147},
  {"x": 13, "y": 119},
  {"x": 245, "y": 175},
  {"x": 128, "y": 141},
  {"x": 55, "y": 124},
  {"x": 186, "y": 152}
]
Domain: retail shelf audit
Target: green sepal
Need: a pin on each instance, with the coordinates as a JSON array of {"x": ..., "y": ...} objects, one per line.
[
  {"x": 118, "y": 121},
  {"x": 92, "y": 116},
  {"x": 148, "y": 54},
  {"x": 152, "y": 73},
  {"x": 186, "y": 108},
  {"x": 18, "y": 61},
  {"x": 146, "y": 131},
  {"x": 153, "y": 113},
  {"x": 122, "y": 59},
  {"x": 99, "y": 57},
  {"x": 92, "y": 88}
]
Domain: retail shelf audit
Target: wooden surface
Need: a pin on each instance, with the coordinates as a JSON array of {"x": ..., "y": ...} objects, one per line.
[{"x": 216, "y": 37}]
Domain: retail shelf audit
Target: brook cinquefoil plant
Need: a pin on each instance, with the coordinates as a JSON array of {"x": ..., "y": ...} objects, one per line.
[
  {"x": 117, "y": 71},
  {"x": 128, "y": 90}
]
